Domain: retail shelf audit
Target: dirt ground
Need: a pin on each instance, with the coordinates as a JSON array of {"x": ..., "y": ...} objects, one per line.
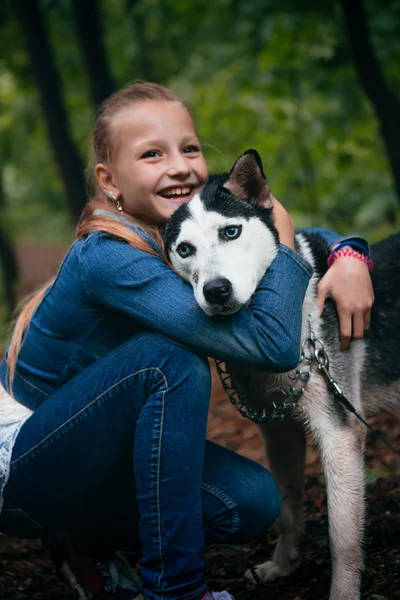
[{"x": 26, "y": 572}]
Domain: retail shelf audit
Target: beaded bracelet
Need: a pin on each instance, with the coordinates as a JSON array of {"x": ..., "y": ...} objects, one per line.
[{"x": 350, "y": 252}]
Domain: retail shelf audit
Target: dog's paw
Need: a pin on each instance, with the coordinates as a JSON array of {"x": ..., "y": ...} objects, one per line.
[{"x": 266, "y": 572}]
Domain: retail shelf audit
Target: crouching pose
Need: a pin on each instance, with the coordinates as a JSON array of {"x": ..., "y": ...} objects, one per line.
[{"x": 105, "y": 385}]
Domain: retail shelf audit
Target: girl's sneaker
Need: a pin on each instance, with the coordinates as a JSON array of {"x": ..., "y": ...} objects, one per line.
[
  {"x": 95, "y": 578},
  {"x": 218, "y": 596}
]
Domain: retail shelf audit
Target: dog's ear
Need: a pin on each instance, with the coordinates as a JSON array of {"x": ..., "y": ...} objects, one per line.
[{"x": 247, "y": 180}]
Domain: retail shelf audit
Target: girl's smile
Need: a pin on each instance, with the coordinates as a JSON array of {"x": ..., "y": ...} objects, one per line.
[
  {"x": 157, "y": 164},
  {"x": 177, "y": 194}
]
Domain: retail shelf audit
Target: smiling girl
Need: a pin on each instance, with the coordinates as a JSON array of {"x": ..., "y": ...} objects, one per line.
[{"x": 105, "y": 386}]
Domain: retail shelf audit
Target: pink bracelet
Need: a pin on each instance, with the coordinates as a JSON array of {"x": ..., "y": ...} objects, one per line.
[{"x": 350, "y": 252}]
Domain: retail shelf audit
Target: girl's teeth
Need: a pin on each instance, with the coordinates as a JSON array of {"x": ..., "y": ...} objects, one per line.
[{"x": 177, "y": 192}]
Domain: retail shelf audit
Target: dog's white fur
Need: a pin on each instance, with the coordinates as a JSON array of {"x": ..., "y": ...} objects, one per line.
[
  {"x": 341, "y": 445},
  {"x": 341, "y": 451},
  {"x": 251, "y": 257}
]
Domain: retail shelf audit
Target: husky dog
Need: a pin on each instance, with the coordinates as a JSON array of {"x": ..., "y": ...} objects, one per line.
[{"x": 222, "y": 242}]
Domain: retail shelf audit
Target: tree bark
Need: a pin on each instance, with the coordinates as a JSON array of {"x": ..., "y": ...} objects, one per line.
[
  {"x": 7, "y": 258},
  {"x": 50, "y": 90},
  {"x": 386, "y": 105},
  {"x": 90, "y": 36},
  {"x": 144, "y": 67}
]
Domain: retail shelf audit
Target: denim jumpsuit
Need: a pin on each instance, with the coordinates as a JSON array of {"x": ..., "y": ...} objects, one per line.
[{"x": 114, "y": 366}]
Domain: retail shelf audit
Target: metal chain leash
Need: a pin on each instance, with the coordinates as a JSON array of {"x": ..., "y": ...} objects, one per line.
[
  {"x": 290, "y": 397},
  {"x": 312, "y": 351}
]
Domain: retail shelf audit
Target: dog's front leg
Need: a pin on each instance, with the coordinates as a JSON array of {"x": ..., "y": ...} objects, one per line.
[
  {"x": 285, "y": 445},
  {"x": 341, "y": 449}
]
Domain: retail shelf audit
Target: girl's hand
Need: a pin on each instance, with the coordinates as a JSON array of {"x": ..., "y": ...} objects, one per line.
[
  {"x": 348, "y": 283},
  {"x": 284, "y": 224}
]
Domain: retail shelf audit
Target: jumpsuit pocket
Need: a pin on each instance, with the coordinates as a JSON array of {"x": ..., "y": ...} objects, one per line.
[{"x": 15, "y": 522}]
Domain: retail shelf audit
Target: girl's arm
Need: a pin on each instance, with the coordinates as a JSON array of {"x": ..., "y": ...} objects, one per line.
[
  {"x": 265, "y": 336},
  {"x": 331, "y": 238}
]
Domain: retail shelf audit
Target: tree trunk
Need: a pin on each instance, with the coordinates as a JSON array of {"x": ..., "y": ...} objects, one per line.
[
  {"x": 144, "y": 67},
  {"x": 90, "y": 36},
  {"x": 386, "y": 105},
  {"x": 50, "y": 90},
  {"x": 7, "y": 258}
]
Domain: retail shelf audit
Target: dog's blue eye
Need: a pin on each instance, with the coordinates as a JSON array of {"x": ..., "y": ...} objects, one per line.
[
  {"x": 231, "y": 232},
  {"x": 184, "y": 250}
]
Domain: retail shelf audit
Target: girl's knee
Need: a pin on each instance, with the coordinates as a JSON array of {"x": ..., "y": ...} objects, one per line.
[
  {"x": 262, "y": 506},
  {"x": 183, "y": 367},
  {"x": 150, "y": 349},
  {"x": 247, "y": 511},
  {"x": 257, "y": 506},
  {"x": 170, "y": 368}
]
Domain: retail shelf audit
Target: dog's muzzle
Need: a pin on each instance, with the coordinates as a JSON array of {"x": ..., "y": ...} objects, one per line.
[{"x": 217, "y": 291}]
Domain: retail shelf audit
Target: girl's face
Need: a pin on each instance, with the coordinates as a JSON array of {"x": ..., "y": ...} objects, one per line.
[{"x": 157, "y": 162}]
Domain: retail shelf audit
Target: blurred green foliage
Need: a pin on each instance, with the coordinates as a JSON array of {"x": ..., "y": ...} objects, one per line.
[{"x": 267, "y": 74}]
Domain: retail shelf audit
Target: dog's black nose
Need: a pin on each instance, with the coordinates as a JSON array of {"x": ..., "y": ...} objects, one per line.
[{"x": 217, "y": 291}]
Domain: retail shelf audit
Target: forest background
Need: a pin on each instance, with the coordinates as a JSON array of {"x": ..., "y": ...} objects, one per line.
[{"x": 313, "y": 86}]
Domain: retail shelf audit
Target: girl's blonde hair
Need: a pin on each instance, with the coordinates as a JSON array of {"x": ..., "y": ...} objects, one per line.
[{"x": 100, "y": 150}]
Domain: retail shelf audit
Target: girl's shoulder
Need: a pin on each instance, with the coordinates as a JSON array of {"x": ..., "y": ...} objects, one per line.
[
  {"x": 101, "y": 238},
  {"x": 101, "y": 250}
]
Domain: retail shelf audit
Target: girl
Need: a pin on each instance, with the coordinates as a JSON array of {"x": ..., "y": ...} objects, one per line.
[{"x": 105, "y": 385}]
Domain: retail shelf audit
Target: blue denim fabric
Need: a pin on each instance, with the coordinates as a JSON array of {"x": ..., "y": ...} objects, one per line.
[
  {"x": 106, "y": 292},
  {"x": 111, "y": 365},
  {"x": 126, "y": 437},
  {"x": 332, "y": 238}
]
